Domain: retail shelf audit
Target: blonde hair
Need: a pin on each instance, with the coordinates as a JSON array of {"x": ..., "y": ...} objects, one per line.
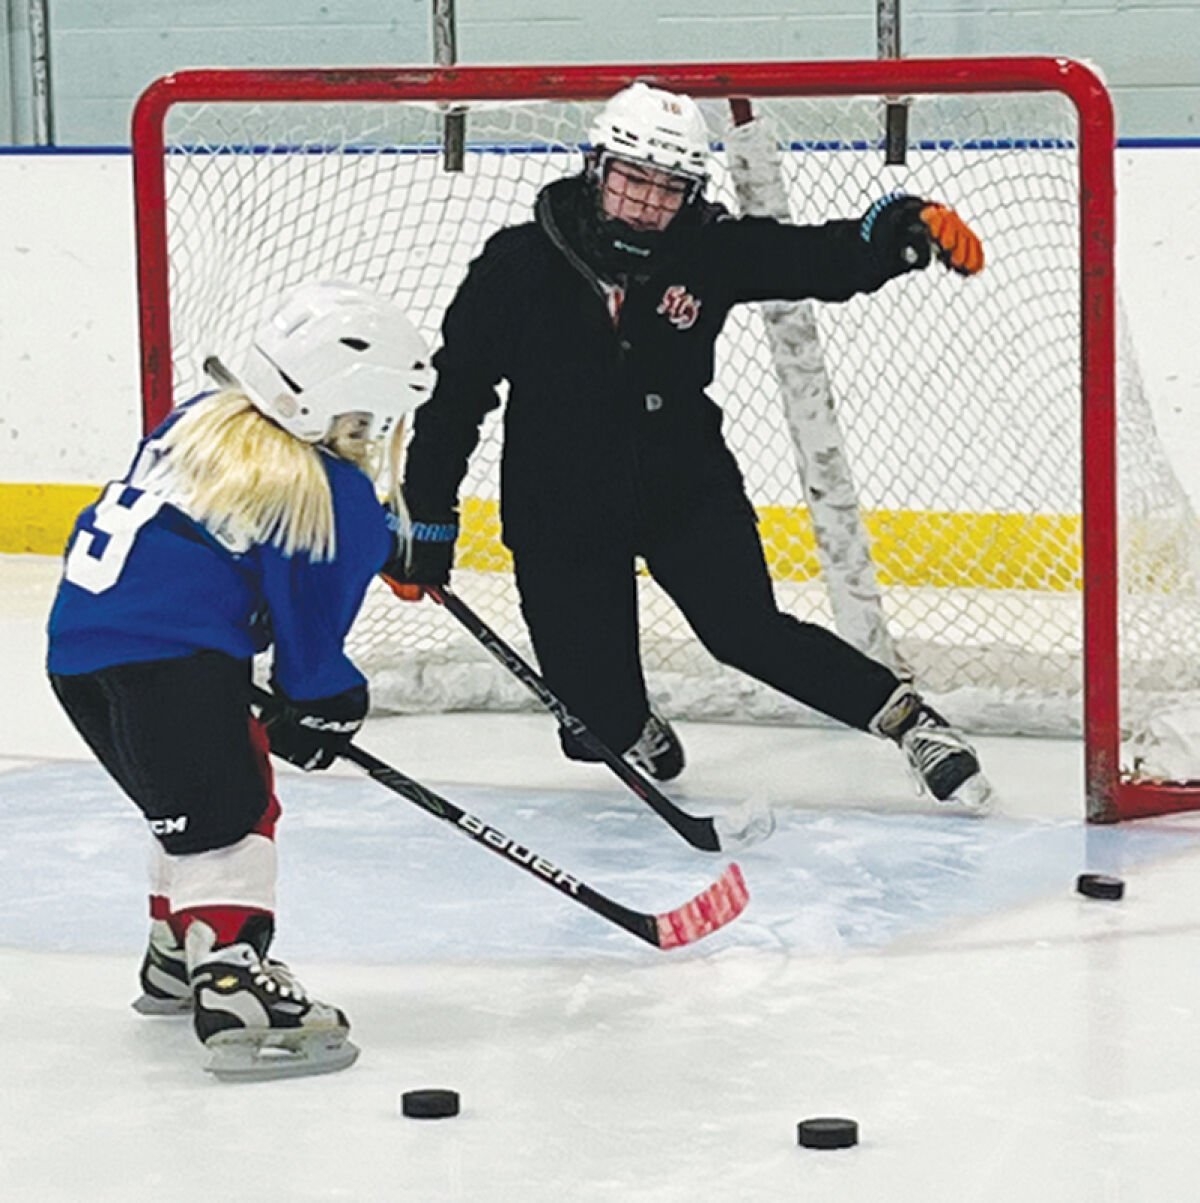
[{"x": 242, "y": 476}]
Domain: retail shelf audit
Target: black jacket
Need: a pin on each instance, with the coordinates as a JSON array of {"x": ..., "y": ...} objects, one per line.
[{"x": 608, "y": 433}]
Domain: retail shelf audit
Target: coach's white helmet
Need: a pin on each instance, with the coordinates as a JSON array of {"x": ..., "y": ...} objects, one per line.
[
  {"x": 651, "y": 125},
  {"x": 333, "y": 348}
]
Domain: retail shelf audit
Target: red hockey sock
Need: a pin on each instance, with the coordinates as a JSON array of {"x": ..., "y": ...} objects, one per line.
[
  {"x": 226, "y": 921},
  {"x": 261, "y": 744}
]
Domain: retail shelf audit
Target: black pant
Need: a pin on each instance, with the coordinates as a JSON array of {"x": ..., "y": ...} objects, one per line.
[
  {"x": 175, "y": 735},
  {"x": 581, "y": 610}
]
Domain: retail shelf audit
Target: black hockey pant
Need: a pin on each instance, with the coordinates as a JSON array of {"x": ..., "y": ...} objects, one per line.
[
  {"x": 176, "y": 736},
  {"x": 581, "y": 611}
]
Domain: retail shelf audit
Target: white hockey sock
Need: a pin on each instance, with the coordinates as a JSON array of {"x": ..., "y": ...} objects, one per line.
[{"x": 241, "y": 875}]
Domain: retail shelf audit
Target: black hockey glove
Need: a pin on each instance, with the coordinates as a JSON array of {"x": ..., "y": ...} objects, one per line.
[
  {"x": 313, "y": 734},
  {"x": 424, "y": 555},
  {"x": 906, "y": 231}
]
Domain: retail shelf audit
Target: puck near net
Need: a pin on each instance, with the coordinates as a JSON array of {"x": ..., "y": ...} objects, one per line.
[{"x": 1100, "y": 885}]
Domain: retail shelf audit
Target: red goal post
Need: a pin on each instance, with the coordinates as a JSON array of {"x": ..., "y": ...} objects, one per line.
[{"x": 1112, "y": 792}]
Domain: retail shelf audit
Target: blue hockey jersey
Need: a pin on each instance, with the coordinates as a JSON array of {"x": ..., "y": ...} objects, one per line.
[{"x": 144, "y": 581}]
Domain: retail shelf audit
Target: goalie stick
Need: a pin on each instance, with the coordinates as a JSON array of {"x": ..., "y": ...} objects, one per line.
[
  {"x": 745, "y": 826},
  {"x": 711, "y": 909}
]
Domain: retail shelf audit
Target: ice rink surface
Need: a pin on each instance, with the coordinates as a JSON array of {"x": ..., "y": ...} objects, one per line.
[{"x": 996, "y": 1036}]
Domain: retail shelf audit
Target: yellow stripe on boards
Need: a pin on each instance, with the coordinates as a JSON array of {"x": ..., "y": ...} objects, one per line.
[
  {"x": 941, "y": 549},
  {"x": 911, "y": 547},
  {"x": 479, "y": 548},
  {"x": 37, "y": 519}
]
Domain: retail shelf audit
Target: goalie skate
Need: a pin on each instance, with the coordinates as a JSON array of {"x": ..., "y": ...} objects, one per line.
[
  {"x": 254, "y": 1017},
  {"x": 166, "y": 989},
  {"x": 657, "y": 751},
  {"x": 944, "y": 766}
]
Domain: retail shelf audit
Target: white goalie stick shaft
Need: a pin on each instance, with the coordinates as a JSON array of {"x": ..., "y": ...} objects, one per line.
[
  {"x": 700, "y": 832},
  {"x": 710, "y": 910}
]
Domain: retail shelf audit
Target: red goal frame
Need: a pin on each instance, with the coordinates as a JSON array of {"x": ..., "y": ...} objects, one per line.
[{"x": 1110, "y": 796}]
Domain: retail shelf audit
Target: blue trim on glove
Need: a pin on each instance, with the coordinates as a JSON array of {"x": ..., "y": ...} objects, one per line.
[
  {"x": 435, "y": 532},
  {"x": 869, "y": 218}
]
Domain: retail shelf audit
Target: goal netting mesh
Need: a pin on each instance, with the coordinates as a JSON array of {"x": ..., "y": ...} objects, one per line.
[{"x": 954, "y": 405}]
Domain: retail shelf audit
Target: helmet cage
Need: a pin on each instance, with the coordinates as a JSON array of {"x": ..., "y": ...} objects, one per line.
[
  {"x": 654, "y": 128},
  {"x": 603, "y": 158}
]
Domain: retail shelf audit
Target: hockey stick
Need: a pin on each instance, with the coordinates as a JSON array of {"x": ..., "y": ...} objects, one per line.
[
  {"x": 747, "y": 825},
  {"x": 711, "y": 909}
]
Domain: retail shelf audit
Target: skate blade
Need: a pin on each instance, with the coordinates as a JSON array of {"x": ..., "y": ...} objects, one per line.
[
  {"x": 236, "y": 1056},
  {"x": 149, "y": 1005},
  {"x": 973, "y": 798}
]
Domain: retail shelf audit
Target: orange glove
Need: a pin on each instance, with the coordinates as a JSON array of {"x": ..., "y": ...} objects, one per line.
[
  {"x": 408, "y": 593},
  {"x": 954, "y": 242},
  {"x": 906, "y": 232}
]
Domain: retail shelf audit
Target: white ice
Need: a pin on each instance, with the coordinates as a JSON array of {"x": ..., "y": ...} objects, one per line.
[{"x": 996, "y": 1036}]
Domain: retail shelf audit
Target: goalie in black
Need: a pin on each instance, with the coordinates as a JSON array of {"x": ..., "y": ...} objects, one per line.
[{"x": 602, "y": 313}]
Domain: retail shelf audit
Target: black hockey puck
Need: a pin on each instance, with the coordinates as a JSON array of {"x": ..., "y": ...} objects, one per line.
[
  {"x": 1097, "y": 885},
  {"x": 827, "y": 1132},
  {"x": 429, "y": 1104}
]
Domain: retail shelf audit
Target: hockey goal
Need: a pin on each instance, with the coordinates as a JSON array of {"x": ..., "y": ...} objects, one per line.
[{"x": 935, "y": 466}]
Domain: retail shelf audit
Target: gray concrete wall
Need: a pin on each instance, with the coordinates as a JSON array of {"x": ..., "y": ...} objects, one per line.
[
  {"x": 8, "y": 132},
  {"x": 106, "y": 51},
  {"x": 14, "y": 74}
]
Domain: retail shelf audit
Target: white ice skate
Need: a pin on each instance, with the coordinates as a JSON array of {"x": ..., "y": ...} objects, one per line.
[
  {"x": 254, "y": 1017},
  {"x": 166, "y": 989}
]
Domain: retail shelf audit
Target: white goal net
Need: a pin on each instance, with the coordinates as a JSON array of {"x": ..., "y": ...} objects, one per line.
[{"x": 939, "y": 420}]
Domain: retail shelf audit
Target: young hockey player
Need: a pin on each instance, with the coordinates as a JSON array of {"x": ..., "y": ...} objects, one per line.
[
  {"x": 602, "y": 314},
  {"x": 248, "y": 518}
]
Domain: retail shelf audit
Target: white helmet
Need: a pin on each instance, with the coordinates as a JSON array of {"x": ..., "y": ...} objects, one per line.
[
  {"x": 651, "y": 125},
  {"x": 334, "y": 348}
]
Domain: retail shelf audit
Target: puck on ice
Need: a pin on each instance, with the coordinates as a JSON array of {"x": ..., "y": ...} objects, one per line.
[
  {"x": 827, "y": 1132},
  {"x": 429, "y": 1104},
  {"x": 1097, "y": 885}
]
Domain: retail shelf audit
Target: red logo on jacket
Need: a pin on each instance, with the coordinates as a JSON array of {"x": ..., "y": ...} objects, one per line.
[{"x": 681, "y": 308}]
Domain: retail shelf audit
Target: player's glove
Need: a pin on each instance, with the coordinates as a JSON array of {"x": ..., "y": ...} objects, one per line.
[
  {"x": 424, "y": 555},
  {"x": 905, "y": 231},
  {"x": 314, "y": 734}
]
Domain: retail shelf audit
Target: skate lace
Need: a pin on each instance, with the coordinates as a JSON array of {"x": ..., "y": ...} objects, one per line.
[
  {"x": 276, "y": 978},
  {"x": 930, "y": 748},
  {"x": 654, "y": 741}
]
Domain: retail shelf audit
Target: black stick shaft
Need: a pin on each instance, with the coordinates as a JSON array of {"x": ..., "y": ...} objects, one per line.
[
  {"x": 642, "y": 925},
  {"x": 699, "y": 832}
]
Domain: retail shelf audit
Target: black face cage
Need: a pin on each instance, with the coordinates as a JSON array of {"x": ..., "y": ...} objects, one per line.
[{"x": 600, "y": 158}]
